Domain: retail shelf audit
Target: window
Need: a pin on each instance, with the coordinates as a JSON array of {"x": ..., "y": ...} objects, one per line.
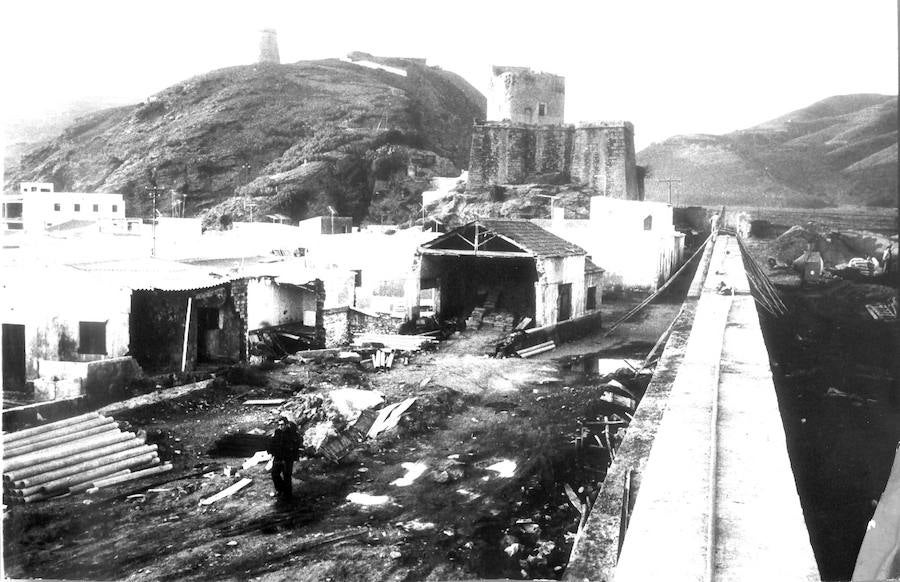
[
  {"x": 96, "y": 208},
  {"x": 115, "y": 207},
  {"x": 92, "y": 337},
  {"x": 648, "y": 223},
  {"x": 542, "y": 109},
  {"x": 78, "y": 208},
  {"x": 45, "y": 189},
  {"x": 57, "y": 207},
  {"x": 590, "y": 301}
]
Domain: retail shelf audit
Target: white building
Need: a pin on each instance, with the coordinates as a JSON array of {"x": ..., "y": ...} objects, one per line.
[
  {"x": 36, "y": 207},
  {"x": 635, "y": 242}
]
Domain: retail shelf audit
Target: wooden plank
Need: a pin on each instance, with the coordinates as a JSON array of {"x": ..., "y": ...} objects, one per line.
[{"x": 227, "y": 492}]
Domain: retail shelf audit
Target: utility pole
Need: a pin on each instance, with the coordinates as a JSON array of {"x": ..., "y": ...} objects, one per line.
[
  {"x": 154, "y": 192},
  {"x": 670, "y": 181}
]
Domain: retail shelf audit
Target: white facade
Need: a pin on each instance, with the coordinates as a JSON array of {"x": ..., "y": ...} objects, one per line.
[
  {"x": 37, "y": 208},
  {"x": 635, "y": 242}
]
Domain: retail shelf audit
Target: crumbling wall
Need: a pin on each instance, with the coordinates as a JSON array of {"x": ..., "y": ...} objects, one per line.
[
  {"x": 336, "y": 322},
  {"x": 604, "y": 159},
  {"x": 517, "y": 94},
  {"x": 599, "y": 155}
]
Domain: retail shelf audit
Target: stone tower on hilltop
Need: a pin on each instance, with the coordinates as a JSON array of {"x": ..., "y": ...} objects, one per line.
[
  {"x": 520, "y": 95},
  {"x": 268, "y": 46},
  {"x": 525, "y": 140}
]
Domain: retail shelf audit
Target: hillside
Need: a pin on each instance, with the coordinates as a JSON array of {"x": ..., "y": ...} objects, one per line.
[
  {"x": 291, "y": 138},
  {"x": 842, "y": 150}
]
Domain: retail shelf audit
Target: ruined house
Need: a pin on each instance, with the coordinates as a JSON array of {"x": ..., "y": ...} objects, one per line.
[
  {"x": 513, "y": 266},
  {"x": 72, "y": 322}
]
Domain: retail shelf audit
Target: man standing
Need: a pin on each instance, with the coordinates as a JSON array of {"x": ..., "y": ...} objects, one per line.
[{"x": 284, "y": 448}]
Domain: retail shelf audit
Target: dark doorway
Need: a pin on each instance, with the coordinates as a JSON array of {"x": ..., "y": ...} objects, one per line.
[
  {"x": 13, "y": 356},
  {"x": 564, "y": 306},
  {"x": 208, "y": 334}
]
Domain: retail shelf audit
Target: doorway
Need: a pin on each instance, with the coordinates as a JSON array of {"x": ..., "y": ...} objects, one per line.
[{"x": 13, "y": 356}]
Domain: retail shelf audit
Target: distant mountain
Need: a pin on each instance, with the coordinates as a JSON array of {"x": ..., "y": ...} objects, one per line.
[
  {"x": 292, "y": 139},
  {"x": 841, "y": 150}
]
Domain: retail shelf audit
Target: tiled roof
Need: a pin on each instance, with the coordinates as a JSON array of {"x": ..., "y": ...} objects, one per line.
[
  {"x": 592, "y": 267},
  {"x": 531, "y": 237}
]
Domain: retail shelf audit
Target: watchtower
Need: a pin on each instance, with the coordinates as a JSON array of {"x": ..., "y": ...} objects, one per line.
[
  {"x": 520, "y": 95},
  {"x": 268, "y": 46}
]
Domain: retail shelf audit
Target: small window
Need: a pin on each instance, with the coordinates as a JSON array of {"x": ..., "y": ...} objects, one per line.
[
  {"x": 590, "y": 301},
  {"x": 92, "y": 337},
  {"x": 57, "y": 207},
  {"x": 648, "y": 223},
  {"x": 542, "y": 109},
  {"x": 96, "y": 208},
  {"x": 78, "y": 208},
  {"x": 34, "y": 188},
  {"x": 115, "y": 207},
  {"x": 45, "y": 189}
]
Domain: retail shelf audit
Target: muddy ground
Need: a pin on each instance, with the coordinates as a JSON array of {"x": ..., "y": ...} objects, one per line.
[
  {"x": 461, "y": 518},
  {"x": 836, "y": 375}
]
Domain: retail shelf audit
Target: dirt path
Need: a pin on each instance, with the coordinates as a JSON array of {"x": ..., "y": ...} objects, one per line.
[{"x": 492, "y": 438}]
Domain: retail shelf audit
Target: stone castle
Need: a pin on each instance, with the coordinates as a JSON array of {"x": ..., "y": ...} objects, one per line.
[{"x": 525, "y": 140}]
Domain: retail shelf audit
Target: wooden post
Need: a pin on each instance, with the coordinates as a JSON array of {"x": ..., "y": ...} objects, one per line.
[{"x": 187, "y": 334}]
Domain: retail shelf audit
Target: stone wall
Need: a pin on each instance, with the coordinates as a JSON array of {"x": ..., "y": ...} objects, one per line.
[
  {"x": 268, "y": 47},
  {"x": 520, "y": 95},
  {"x": 598, "y": 155},
  {"x": 337, "y": 326}
]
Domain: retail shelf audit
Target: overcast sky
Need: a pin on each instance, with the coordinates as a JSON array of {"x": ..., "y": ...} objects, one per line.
[{"x": 669, "y": 66}]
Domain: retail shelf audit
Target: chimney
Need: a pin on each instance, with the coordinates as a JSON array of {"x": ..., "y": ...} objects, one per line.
[{"x": 268, "y": 46}]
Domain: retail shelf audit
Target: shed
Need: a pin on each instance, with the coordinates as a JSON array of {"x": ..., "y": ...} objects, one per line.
[{"x": 505, "y": 265}]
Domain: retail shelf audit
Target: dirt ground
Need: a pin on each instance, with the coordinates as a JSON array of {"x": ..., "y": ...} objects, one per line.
[
  {"x": 463, "y": 517},
  {"x": 836, "y": 374}
]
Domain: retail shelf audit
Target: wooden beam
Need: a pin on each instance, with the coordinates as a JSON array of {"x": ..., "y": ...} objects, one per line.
[
  {"x": 486, "y": 254},
  {"x": 187, "y": 334}
]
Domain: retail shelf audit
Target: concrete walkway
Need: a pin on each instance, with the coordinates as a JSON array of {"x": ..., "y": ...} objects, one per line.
[{"x": 716, "y": 497}]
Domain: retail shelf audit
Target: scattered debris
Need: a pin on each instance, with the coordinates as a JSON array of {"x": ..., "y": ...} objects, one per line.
[
  {"x": 257, "y": 458},
  {"x": 227, "y": 492},
  {"x": 408, "y": 343},
  {"x": 537, "y": 349},
  {"x": 504, "y": 469},
  {"x": 368, "y": 499},
  {"x": 413, "y": 472},
  {"x": 416, "y": 525},
  {"x": 265, "y": 402},
  {"x": 389, "y": 416}
]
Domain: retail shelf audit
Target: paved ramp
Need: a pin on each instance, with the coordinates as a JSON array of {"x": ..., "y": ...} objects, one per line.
[{"x": 713, "y": 494}]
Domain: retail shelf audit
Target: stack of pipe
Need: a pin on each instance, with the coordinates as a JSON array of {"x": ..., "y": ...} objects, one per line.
[
  {"x": 538, "y": 349},
  {"x": 409, "y": 343},
  {"x": 69, "y": 456}
]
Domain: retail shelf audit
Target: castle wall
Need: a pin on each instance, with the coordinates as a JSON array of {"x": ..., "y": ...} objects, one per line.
[
  {"x": 604, "y": 159},
  {"x": 519, "y": 95},
  {"x": 599, "y": 155}
]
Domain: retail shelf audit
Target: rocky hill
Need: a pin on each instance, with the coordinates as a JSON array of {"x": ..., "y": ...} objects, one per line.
[
  {"x": 842, "y": 150},
  {"x": 291, "y": 139}
]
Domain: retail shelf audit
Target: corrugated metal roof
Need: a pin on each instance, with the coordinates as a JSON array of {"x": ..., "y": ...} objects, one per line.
[
  {"x": 525, "y": 234},
  {"x": 149, "y": 274}
]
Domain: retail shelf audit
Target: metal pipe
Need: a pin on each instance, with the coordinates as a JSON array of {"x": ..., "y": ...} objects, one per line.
[
  {"x": 39, "y": 468},
  {"x": 61, "y": 440},
  {"x": 82, "y": 487},
  {"x": 59, "y": 452},
  {"x": 20, "y": 434},
  {"x": 82, "y": 467},
  {"x": 108, "y": 482},
  {"x": 66, "y": 430},
  {"x": 86, "y": 476},
  {"x": 43, "y": 496}
]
